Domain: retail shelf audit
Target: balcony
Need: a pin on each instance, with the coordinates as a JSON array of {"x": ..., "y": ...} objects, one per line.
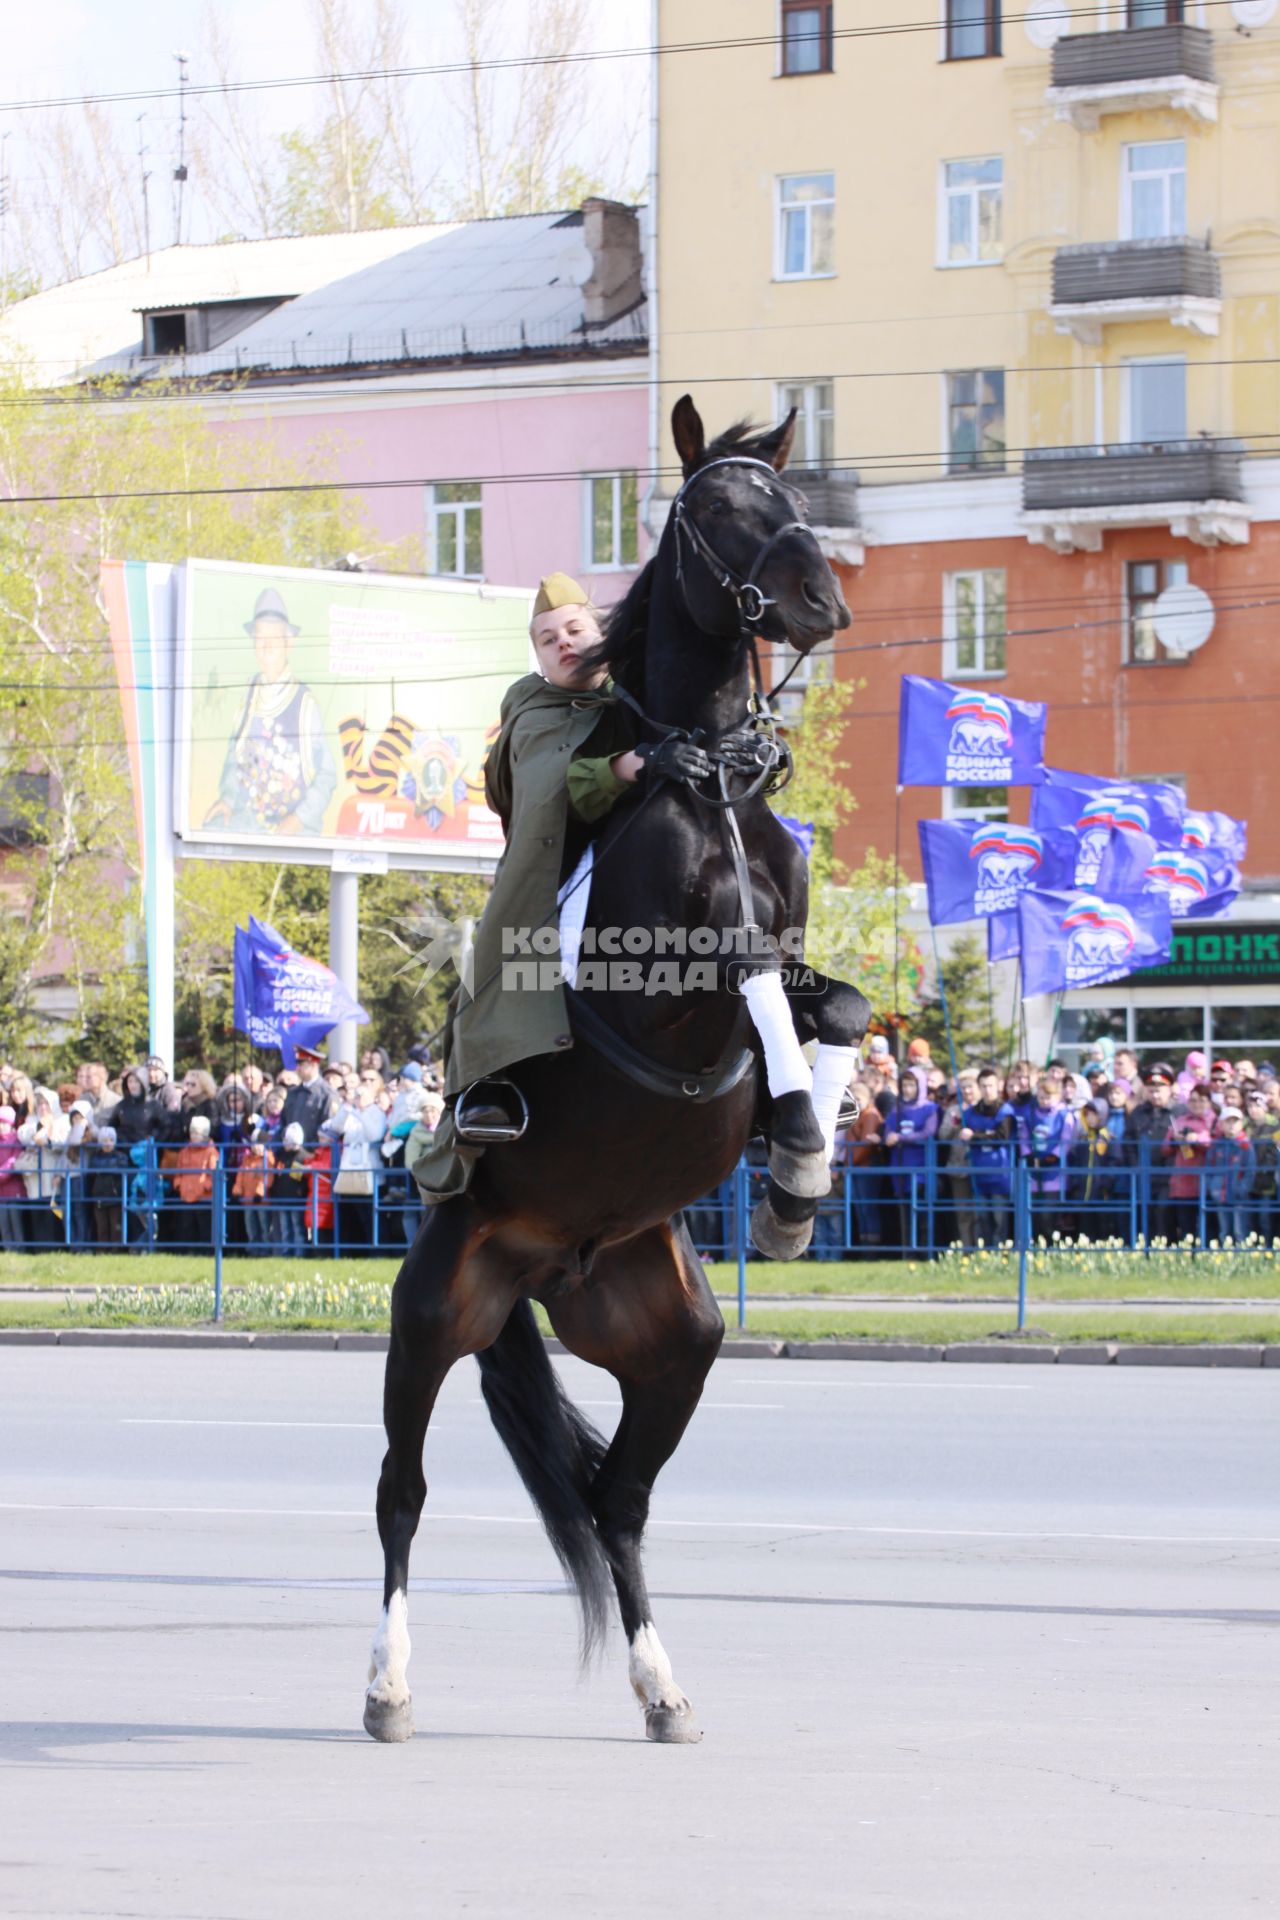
[
  {"x": 832, "y": 497},
  {"x": 1133, "y": 68},
  {"x": 1097, "y": 286},
  {"x": 1071, "y": 496}
]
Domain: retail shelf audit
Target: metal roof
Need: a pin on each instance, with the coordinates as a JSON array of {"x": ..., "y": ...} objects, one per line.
[
  {"x": 93, "y": 321},
  {"x": 485, "y": 287}
]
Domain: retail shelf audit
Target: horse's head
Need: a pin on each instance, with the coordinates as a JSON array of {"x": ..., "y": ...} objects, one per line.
[{"x": 743, "y": 529}]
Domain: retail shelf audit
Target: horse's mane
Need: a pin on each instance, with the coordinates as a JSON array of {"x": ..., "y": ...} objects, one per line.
[{"x": 626, "y": 625}]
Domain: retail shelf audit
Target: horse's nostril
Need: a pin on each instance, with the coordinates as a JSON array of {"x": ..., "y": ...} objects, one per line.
[{"x": 817, "y": 600}]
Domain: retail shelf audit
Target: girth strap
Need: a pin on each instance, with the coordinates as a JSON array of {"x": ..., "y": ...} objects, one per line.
[{"x": 699, "y": 1088}]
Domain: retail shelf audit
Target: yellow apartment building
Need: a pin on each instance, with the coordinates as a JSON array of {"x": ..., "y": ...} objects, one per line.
[{"x": 1019, "y": 270}]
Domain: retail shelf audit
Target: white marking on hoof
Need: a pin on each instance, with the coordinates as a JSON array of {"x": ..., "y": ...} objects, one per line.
[
  {"x": 668, "y": 1717},
  {"x": 388, "y": 1713}
]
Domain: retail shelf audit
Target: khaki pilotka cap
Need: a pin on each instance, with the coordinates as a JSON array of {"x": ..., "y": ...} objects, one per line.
[{"x": 558, "y": 590}]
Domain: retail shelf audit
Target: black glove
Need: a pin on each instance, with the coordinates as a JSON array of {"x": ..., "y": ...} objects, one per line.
[
  {"x": 744, "y": 751},
  {"x": 674, "y": 760}
]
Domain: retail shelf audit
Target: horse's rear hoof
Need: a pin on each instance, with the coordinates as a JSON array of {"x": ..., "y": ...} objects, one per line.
[
  {"x": 779, "y": 1239},
  {"x": 806, "y": 1175},
  {"x": 671, "y": 1726},
  {"x": 388, "y": 1722}
]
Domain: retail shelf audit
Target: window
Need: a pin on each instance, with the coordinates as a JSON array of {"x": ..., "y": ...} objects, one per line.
[
  {"x": 972, "y": 206},
  {"x": 975, "y": 803},
  {"x": 453, "y": 529},
  {"x": 975, "y": 421},
  {"x": 1155, "y": 395},
  {"x": 806, "y": 226},
  {"x": 613, "y": 523},
  {"x": 806, "y": 37},
  {"x": 815, "y": 405},
  {"x": 164, "y": 333},
  {"x": 974, "y": 622},
  {"x": 973, "y": 29},
  {"x": 1145, "y": 581},
  {"x": 1155, "y": 190},
  {"x": 1154, "y": 13}
]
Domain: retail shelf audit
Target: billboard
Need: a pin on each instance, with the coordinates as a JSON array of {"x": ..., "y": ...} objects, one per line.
[{"x": 328, "y": 711}]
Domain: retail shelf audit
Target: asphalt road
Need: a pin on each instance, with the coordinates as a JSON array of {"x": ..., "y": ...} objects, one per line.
[{"x": 960, "y": 1647}]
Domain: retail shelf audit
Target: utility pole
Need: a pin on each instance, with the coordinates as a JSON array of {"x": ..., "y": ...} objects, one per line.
[
  {"x": 146, "y": 208},
  {"x": 180, "y": 171}
]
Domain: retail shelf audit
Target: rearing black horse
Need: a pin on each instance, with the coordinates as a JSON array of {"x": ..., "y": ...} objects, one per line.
[{"x": 646, "y": 1113}]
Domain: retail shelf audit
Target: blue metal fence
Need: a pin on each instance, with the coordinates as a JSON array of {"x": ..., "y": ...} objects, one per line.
[{"x": 131, "y": 1202}]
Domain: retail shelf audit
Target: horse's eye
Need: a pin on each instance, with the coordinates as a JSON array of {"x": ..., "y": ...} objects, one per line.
[{"x": 718, "y": 503}]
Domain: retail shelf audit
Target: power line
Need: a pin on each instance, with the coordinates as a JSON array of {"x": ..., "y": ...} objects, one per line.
[
  {"x": 854, "y": 466},
  {"x": 846, "y": 648},
  {"x": 586, "y": 56}
]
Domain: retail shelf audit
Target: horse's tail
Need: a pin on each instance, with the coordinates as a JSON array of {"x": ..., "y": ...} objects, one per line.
[{"x": 557, "y": 1454}]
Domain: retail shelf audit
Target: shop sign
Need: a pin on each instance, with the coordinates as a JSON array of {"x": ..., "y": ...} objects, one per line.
[{"x": 1216, "y": 951}]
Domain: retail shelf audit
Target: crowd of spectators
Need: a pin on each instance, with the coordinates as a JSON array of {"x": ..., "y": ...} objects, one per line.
[
  {"x": 1112, "y": 1152},
  {"x": 143, "y": 1159}
]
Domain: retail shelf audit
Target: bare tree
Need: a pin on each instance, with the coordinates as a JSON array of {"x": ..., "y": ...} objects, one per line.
[
  {"x": 517, "y": 127},
  {"x": 235, "y": 155},
  {"x": 78, "y": 199}
]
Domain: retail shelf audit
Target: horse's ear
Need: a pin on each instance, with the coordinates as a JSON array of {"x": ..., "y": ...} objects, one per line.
[
  {"x": 776, "y": 447},
  {"x": 688, "y": 432}
]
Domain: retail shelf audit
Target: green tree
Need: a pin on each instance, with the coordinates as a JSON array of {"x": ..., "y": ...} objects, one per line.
[
  {"x": 961, "y": 995},
  {"x": 68, "y": 464},
  {"x": 852, "y": 910}
]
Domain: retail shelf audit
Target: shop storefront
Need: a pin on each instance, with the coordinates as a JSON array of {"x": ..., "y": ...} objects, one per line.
[{"x": 1219, "y": 991}]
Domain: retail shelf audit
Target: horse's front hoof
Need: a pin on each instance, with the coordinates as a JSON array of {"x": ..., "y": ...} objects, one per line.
[
  {"x": 389, "y": 1721},
  {"x": 671, "y": 1726},
  {"x": 778, "y": 1239}
]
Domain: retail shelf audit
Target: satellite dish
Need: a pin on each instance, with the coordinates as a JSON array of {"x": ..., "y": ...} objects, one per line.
[
  {"x": 1045, "y": 21},
  {"x": 1253, "y": 13},
  {"x": 1183, "y": 618}
]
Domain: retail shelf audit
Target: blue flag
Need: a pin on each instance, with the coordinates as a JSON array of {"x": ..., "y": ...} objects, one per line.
[
  {"x": 974, "y": 868},
  {"x": 1199, "y": 884},
  {"x": 283, "y": 999},
  {"x": 964, "y": 737},
  {"x": 1082, "y": 939},
  {"x": 801, "y": 832},
  {"x": 1093, "y": 808},
  {"x": 1230, "y": 837},
  {"x": 1004, "y": 936}
]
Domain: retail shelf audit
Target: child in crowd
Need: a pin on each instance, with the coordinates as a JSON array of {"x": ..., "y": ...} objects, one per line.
[
  {"x": 12, "y": 1192},
  {"x": 251, "y": 1188},
  {"x": 1046, "y": 1130},
  {"x": 1229, "y": 1169},
  {"x": 989, "y": 1129},
  {"x": 911, "y": 1123},
  {"x": 193, "y": 1181},
  {"x": 1187, "y": 1146},
  {"x": 289, "y": 1195},
  {"x": 109, "y": 1170}
]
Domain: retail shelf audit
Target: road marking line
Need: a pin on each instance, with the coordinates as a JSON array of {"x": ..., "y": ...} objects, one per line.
[
  {"x": 336, "y": 1426},
  {"x": 739, "y": 1526}
]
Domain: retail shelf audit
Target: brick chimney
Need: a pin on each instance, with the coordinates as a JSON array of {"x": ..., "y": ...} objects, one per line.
[{"x": 612, "y": 235}]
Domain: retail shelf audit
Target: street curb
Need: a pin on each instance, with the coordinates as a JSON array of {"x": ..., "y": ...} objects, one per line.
[{"x": 961, "y": 1352}]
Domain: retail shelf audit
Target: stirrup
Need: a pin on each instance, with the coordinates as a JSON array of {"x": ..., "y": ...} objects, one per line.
[
  {"x": 490, "y": 1113},
  {"x": 850, "y": 1110}
]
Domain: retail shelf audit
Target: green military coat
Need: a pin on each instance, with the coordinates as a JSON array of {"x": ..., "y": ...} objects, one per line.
[{"x": 536, "y": 773}]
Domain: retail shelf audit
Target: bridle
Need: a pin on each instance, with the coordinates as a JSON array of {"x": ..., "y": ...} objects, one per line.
[{"x": 749, "y": 597}]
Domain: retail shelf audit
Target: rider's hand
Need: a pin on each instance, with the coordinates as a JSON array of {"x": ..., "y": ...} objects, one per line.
[
  {"x": 674, "y": 760},
  {"x": 743, "y": 751}
]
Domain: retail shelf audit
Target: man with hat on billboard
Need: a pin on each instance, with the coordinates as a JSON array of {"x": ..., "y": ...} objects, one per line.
[
  {"x": 279, "y": 774},
  {"x": 564, "y": 754}
]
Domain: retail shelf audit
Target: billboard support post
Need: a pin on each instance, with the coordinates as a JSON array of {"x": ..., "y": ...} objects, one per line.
[{"x": 344, "y": 955}]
